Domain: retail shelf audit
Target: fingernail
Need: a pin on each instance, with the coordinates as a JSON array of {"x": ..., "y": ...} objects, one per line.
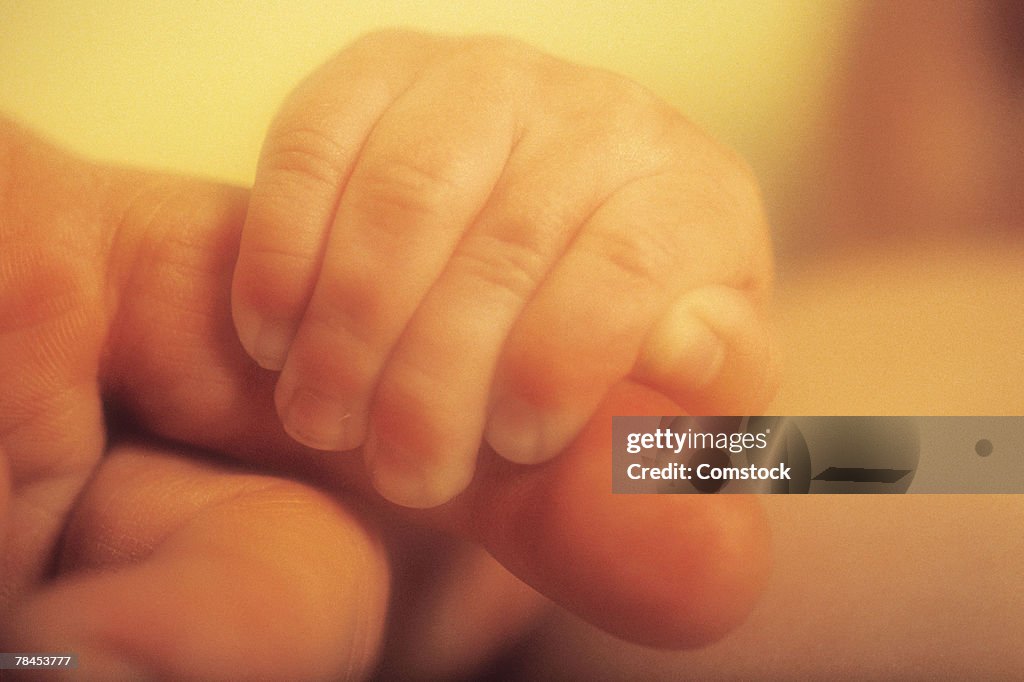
[
  {"x": 271, "y": 344},
  {"x": 514, "y": 431},
  {"x": 685, "y": 348},
  {"x": 401, "y": 477},
  {"x": 316, "y": 421}
]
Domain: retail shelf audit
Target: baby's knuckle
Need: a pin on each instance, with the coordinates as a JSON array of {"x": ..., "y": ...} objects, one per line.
[
  {"x": 633, "y": 106},
  {"x": 404, "y": 189},
  {"x": 502, "y": 53},
  {"x": 637, "y": 259},
  {"x": 303, "y": 157},
  {"x": 504, "y": 265},
  {"x": 497, "y": 70},
  {"x": 726, "y": 179},
  {"x": 739, "y": 200},
  {"x": 722, "y": 192},
  {"x": 617, "y": 114},
  {"x": 739, "y": 184}
]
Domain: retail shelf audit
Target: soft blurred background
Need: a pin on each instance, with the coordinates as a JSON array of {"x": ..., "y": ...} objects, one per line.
[{"x": 887, "y": 138}]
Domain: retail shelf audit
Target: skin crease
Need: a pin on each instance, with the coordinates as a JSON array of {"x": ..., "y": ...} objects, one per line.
[{"x": 116, "y": 321}]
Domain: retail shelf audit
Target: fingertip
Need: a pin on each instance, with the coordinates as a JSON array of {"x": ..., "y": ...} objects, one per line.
[
  {"x": 674, "y": 571},
  {"x": 514, "y": 430},
  {"x": 691, "y": 570},
  {"x": 416, "y": 480},
  {"x": 266, "y": 342},
  {"x": 264, "y": 305},
  {"x": 316, "y": 420},
  {"x": 532, "y": 418},
  {"x": 682, "y": 351},
  {"x": 712, "y": 352}
]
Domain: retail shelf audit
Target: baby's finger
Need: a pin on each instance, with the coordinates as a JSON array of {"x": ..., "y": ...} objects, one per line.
[
  {"x": 425, "y": 172},
  {"x": 584, "y": 331},
  {"x": 176, "y": 569},
  {"x": 712, "y": 353},
  {"x": 306, "y": 159}
]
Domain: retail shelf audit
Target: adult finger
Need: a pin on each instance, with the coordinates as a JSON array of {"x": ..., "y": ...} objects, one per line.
[
  {"x": 664, "y": 570},
  {"x": 177, "y": 568}
]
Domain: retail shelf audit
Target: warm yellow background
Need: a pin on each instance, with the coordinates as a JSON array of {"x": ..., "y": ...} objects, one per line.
[{"x": 191, "y": 86}]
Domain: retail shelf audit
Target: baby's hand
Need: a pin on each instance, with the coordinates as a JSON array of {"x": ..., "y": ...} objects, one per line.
[{"x": 458, "y": 239}]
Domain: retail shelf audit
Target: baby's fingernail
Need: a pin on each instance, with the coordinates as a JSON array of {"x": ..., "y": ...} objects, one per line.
[
  {"x": 317, "y": 421},
  {"x": 402, "y": 478},
  {"x": 270, "y": 345},
  {"x": 515, "y": 432},
  {"x": 266, "y": 341},
  {"x": 683, "y": 350}
]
